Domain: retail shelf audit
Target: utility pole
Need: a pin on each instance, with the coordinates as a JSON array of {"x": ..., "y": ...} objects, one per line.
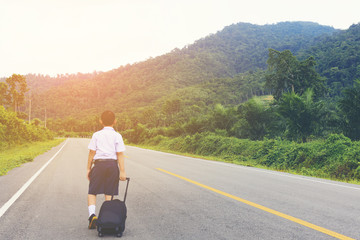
[
  {"x": 45, "y": 117},
  {"x": 30, "y": 108}
]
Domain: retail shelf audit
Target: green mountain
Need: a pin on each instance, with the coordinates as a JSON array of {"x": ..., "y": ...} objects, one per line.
[
  {"x": 338, "y": 58},
  {"x": 235, "y": 50}
]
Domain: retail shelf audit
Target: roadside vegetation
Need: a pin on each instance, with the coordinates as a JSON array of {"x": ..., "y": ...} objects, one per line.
[
  {"x": 15, "y": 156},
  {"x": 20, "y": 140},
  {"x": 336, "y": 157}
]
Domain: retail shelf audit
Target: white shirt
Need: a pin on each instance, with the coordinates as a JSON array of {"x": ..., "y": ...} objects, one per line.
[{"x": 106, "y": 142}]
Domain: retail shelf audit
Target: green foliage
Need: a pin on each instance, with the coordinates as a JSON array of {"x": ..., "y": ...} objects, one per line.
[
  {"x": 222, "y": 118},
  {"x": 255, "y": 120},
  {"x": 245, "y": 45},
  {"x": 17, "y": 87},
  {"x": 17, "y": 155},
  {"x": 338, "y": 58},
  {"x": 302, "y": 115},
  {"x": 15, "y": 131},
  {"x": 287, "y": 74},
  {"x": 136, "y": 135},
  {"x": 336, "y": 157},
  {"x": 350, "y": 108},
  {"x": 282, "y": 68},
  {"x": 196, "y": 125},
  {"x": 3, "y": 92},
  {"x": 170, "y": 108}
]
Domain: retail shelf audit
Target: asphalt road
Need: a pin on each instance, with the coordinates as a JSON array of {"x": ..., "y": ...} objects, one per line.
[{"x": 166, "y": 206}]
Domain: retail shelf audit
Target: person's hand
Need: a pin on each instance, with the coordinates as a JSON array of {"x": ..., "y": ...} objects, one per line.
[
  {"x": 122, "y": 176},
  {"x": 88, "y": 174}
]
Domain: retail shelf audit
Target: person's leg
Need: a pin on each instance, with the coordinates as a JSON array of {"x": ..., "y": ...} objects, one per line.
[
  {"x": 91, "y": 199},
  {"x": 95, "y": 186},
  {"x": 91, "y": 207},
  {"x": 93, "y": 190},
  {"x": 91, "y": 202}
]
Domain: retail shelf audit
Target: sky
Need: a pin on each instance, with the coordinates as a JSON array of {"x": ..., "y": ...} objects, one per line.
[{"x": 53, "y": 37}]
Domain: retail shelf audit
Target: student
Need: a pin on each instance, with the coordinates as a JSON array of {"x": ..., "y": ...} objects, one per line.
[{"x": 107, "y": 153}]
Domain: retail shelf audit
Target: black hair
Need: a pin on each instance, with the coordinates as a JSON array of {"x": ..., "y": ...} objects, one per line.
[{"x": 108, "y": 118}]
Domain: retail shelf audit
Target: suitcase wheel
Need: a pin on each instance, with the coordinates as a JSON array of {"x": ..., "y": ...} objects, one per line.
[
  {"x": 100, "y": 234},
  {"x": 118, "y": 232}
]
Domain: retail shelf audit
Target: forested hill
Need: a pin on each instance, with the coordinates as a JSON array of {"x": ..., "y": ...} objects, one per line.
[
  {"x": 236, "y": 49},
  {"x": 245, "y": 46},
  {"x": 338, "y": 58}
]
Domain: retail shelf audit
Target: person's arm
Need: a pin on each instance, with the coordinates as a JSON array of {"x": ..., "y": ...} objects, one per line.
[
  {"x": 121, "y": 158},
  {"x": 90, "y": 162}
]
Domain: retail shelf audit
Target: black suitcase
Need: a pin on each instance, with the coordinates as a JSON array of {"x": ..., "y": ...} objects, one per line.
[{"x": 112, "y": 216}]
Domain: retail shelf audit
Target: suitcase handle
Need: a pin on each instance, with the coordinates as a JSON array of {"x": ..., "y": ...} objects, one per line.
[{"x": 127, "y": 185}]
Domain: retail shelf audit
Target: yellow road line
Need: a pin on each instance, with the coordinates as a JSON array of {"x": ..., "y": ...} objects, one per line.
[{"x": 288, "y": 217}]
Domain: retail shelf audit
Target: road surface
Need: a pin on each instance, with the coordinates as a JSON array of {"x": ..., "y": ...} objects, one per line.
[{"x": 176, "y": 197}]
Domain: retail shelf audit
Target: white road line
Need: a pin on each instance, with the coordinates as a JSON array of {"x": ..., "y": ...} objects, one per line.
[
  {"x": 8, "y": 204},
  {"x": 289, "y": 175}
]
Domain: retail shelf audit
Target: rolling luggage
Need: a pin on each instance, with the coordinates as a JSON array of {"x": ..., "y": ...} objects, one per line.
[{"x": 112, "y": 216}]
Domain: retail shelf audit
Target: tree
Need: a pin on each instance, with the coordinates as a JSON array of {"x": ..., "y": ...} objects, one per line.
[
  {"x": 308, "y": 78},
  {"x": 285, "y": 74},
  {"x": 302, "y": 115},
  {"x": 150, "y": 117},
  {"x": 223, "y": 118},
  {"x": 17, "y": 88},
  {"x": 36, "y": 122},
  {"x": 255, "y": 116},
  {"x": 3, "y": 92},
  {"x": 338, "y": 58},
  {"x": 349, "y": 104},
  {"x": 170, "y": 108},
  {"x": 281, "y": 72}
]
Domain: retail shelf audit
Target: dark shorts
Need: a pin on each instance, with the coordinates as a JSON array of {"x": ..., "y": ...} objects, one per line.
[{"x": 104, "y": 178}]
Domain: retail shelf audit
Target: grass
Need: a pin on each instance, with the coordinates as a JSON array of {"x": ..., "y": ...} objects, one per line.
[
  {"x": 267, "y": 98},
  {"x": 15, "y": 156}
]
